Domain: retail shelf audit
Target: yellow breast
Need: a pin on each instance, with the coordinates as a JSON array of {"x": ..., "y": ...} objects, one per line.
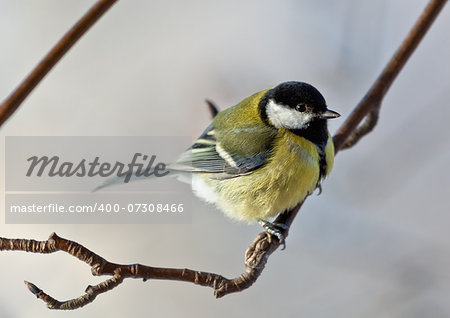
[{"x": 290, "y": 175}]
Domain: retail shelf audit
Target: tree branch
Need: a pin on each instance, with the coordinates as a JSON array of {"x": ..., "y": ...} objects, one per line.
[
  {"x": 13, "y": 101},
  {"x": 255, "y": 260},
  {"x": 264, "y": 244},
  {"x": 350, "y": 132}
]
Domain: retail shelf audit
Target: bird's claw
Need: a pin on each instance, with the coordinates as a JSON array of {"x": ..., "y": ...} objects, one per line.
[
  {"x": 319, "y": 186},
  {"x": 276, "y": 230}
]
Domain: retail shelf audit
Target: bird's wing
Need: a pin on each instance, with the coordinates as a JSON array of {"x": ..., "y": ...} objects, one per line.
[{"x": 210, "y": 155}]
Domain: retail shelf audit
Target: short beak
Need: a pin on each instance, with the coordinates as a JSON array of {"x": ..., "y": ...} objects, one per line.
[{"x": 328, "y": 114}]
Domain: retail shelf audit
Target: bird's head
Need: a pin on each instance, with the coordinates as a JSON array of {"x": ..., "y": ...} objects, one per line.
[{"x": 294, "y": 105}]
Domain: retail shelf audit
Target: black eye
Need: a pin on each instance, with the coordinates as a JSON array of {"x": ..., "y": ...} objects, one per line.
[{"x": 300, "y": 107}]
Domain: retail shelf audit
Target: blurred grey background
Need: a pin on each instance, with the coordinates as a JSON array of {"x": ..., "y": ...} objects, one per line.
[{"x": 374, "y": 244}]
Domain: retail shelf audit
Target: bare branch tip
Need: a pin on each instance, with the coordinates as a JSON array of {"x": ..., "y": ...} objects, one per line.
[
  {"x": 33, "y": 288},
  {"x": 213, "y": 109}
]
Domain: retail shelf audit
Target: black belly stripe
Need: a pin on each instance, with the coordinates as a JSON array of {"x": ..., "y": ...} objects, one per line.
[
  {"x": 317, "y": 133},
  {"x": 322, "y": 165}
]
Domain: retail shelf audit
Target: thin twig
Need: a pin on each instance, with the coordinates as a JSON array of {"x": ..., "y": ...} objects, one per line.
[
  {"x": 13, "y": 101},
  {"x": 370, "y": 121},
  {"x": 91, "y": 293},
  {"x": 260, "y": 249},
  {"x": 213, "y": 109},
  {"x": 378, "y": 90}
]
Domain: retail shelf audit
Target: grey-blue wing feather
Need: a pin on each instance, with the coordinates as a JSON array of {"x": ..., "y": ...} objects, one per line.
[{"x": 207, "y": 156}]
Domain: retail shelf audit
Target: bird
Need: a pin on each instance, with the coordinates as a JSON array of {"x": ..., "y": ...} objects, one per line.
[
  {"x": 261, "y": 157},
  {"x": 264, "y": 155}
]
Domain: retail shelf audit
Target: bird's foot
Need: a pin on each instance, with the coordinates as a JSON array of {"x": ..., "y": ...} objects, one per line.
[{"x": 275, "y": 229}]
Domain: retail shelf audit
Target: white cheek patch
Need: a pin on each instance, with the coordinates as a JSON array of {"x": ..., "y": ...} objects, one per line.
[{"x": 284, "y": 117}]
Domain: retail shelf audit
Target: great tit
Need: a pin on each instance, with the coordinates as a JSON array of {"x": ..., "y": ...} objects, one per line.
[{"x": 264, "y": 155}]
